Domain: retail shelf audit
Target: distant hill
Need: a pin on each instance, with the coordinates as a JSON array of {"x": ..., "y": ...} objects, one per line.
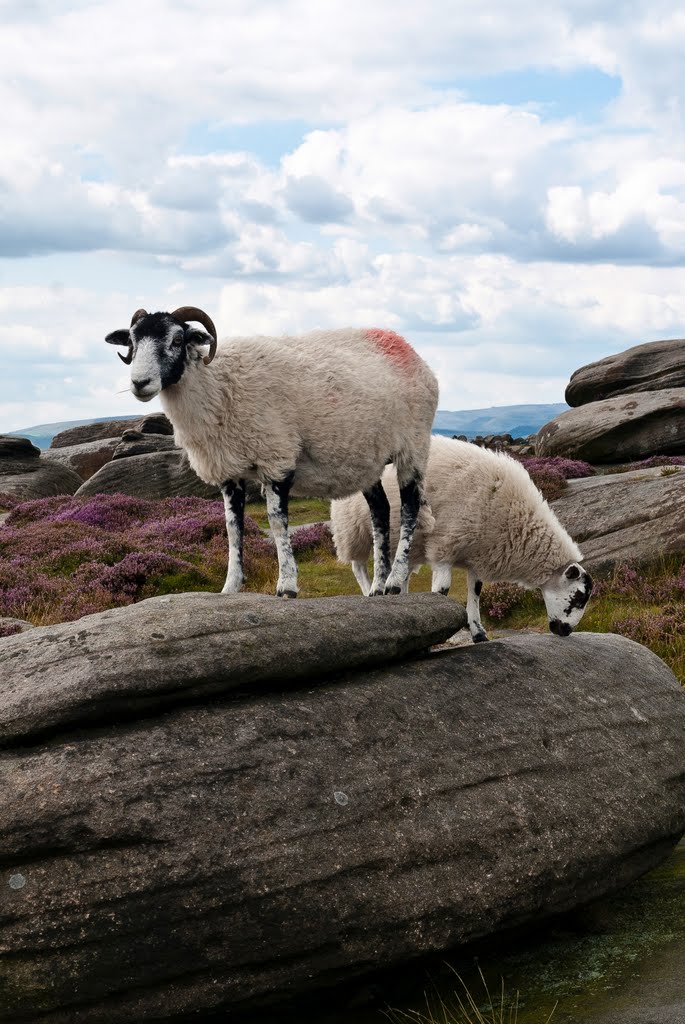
[
  {"x": 518, "y": 420},
  {"x": 43, "y": 434}
]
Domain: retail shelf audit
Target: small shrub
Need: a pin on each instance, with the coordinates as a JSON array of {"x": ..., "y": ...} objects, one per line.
[
  {"x": 8, "y": 501},
  {"x": 570, "y": 469},
  {"x": 317, "y": 536},
  {"x": 550, "y": 482},
  {"x": 498, "y": 600},
  {"x": 550, "y": 473},
  {"x": 652, "y": 462}
]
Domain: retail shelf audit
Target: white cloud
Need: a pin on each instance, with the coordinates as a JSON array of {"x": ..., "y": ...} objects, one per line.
[{"x": 510, "y": 243}]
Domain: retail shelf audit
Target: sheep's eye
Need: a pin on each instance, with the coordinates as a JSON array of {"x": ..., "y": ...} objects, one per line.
[{"x": 177, "y": 340}]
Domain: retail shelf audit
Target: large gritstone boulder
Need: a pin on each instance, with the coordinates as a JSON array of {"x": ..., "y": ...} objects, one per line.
[
  {"x": 135, "y": 442},
  {"x": 651, "y": 367},
  {"x": 311, "y": 826},
  {"x": 169, "y": 649},
  {"x": 88, "y": 448},
  {"x": 24, "y": 474},
  {"x": 163, "y": 472},
  {"x": 618, "y": 429},
  {"x": 634, "y": 518},
  {"x": 154, "y": 475},
  {"x": 85, "y": 459},
  {"x": 89, "y": 432}
]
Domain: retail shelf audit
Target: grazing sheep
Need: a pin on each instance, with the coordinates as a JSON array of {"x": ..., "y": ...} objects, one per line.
[
  {"x": 318, "y": 414},
  {"x": 491, "y": 520}
]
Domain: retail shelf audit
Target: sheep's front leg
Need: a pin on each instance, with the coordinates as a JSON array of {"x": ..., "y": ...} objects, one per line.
[
  {"x": 379, "y": 507},
  {"x": 411, "y": 496},
  {"x": 234, "y": 503},
  {"x": 474, "y": 587},
  {"x": 277, "y": 494}
]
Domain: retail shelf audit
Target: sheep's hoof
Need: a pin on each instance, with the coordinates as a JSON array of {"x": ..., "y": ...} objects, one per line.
[
  {"x": 393, "y": 590},
  {"x": 480, "y": 638},
  {"x": 286, "y": 593},
  {"x": 376, "y": 592}
]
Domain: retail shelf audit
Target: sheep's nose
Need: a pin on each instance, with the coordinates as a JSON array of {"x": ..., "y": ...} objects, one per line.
[
  {"x": 560, "y": 628},
  {"x": 140, "y": 384}
]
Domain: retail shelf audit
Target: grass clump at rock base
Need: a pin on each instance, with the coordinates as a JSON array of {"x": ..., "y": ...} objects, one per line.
[{"x": 464, "y": 1007}]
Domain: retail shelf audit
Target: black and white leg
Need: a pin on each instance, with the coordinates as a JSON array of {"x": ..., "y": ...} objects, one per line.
[
  {"x": 379, "y": 506},
  {"x": 411, "y": 497},
  {"x": 277, "y": 493},
  {"x": 361, "y": 574},
  {"x": 474, "y": 587},
  {"x": 442, "y": 578},
  {"x": 234, "y": 504}
]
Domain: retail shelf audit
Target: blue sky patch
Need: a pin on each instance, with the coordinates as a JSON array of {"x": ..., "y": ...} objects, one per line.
[
  {"x": 584, "y": 92},
  {"x": 267, "y": 140}
]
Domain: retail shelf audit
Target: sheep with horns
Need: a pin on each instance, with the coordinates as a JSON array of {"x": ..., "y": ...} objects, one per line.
[{"x": 319, "y": 414}]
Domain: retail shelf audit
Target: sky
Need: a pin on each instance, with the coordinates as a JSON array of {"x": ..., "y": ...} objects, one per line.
[{"x": 503, "y": 184}]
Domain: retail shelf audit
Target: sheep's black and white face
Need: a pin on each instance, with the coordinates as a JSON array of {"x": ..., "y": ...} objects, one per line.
[
  {"x": 160, "y": 348},
  {"x": 566, "y": 595}
]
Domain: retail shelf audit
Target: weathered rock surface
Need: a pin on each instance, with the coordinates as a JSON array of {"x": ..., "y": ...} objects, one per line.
[
  {"x": 618, "y": 429},
  {"x": 25, "y": 474},
  {"x": 168, "y": 649},
  {"x": 634, "y": 517},
  {"x": 650, "y": 367},
  {"x": 155, "y": 475},
  {"x": 20, "y": 625},
  {"x": 85, "y": 459},
  {"x": 17, "y": 448},
  {"x": 135, "y": 442},
  {"x": 220, "y": 855},
  {"x": 91, "y": 432},
  {"x": 155, "y": 423}
]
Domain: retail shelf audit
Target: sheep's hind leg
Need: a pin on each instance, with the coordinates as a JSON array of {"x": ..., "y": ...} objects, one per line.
[
  {"x": 361, "y": 574},
  {"x": 277, "y": 493},
  {"x": 234, "y": 504},
  {"x": 411, "y": 499},
  {"x": 474, "y": 587},
  {"x": 379, "y": 507},
  {"x": 442, "y": 578}
]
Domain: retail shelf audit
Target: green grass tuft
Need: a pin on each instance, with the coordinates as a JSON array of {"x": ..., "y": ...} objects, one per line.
[{"x": 463, "y": 1008}]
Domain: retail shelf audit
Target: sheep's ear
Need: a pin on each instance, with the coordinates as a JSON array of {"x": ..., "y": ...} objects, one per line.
[
  {"x": 196, "y": 336},
  {"x": 121, "y": 337},
  {"x": 573, "y": 572}
]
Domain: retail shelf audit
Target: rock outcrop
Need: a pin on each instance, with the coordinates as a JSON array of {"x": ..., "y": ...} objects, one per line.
[
  {"x": 164, "y": 860},
  {"x": 135, "y": 442},
  {"x": 618, "y": 429},
  {"x": 634, "y": 518},
  {"x": 154, "y": 475},
  {"x": 91, "y": 432},
  {"x": 182, "y": 646},
  {"x": 24, "y": 474},
  {"x": 85, "y": 459},
  {"x": 655, "y": 366}
]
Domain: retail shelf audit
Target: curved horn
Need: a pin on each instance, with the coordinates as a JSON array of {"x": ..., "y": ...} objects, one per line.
[
  {"x": 139, "y": 313},
  {"x": 128, "y": 358},
  {"x": 187, "y": 313}
]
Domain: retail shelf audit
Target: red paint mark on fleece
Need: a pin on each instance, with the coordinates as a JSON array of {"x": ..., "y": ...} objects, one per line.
[{"x": 394, "y": 346}]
